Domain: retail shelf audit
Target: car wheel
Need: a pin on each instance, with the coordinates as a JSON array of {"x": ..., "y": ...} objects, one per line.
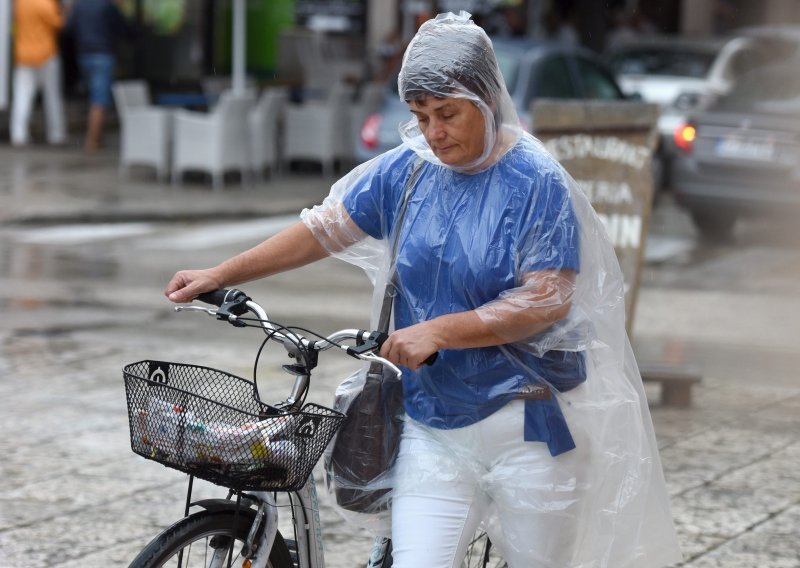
[
  {"x": 660, "y": 169},
  {"x": 658, "y": 172},
  {"x": 714, "y": 226}
]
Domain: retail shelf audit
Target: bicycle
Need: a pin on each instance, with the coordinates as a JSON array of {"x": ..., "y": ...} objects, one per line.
[{"x": 214, "y": 426}]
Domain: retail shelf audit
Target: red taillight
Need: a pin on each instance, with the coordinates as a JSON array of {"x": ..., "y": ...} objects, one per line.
[
  {"x": 369, "y": 132},
  {"x": 685, "y": 135}
]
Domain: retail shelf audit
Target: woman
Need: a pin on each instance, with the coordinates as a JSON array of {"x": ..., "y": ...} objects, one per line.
[{"x": 533, "y": 420}]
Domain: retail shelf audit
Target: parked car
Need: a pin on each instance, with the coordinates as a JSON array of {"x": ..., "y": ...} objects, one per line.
[
  {"x": 530, "y": 70},
  {"x": 683, "y": 75},
  {"x": 741, "y": 156}
]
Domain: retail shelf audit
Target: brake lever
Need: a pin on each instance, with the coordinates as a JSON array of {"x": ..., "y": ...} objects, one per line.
[
  {"x": 208, "y": 311},
  {"x": 369, "y": 356}
]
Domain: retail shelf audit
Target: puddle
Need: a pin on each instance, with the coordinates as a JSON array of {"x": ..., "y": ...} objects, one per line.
[{"x": 30, "y": 263}]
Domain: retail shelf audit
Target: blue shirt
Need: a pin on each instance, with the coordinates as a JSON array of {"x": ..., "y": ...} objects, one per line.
[
  {"x": 96, "y": 25},
  {"x": 464, "y": 240}
]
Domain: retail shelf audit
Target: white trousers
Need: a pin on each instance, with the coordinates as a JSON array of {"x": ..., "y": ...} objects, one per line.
[
  {"x": 448, "y": 481},
  {"x": 27, "y": 81}
]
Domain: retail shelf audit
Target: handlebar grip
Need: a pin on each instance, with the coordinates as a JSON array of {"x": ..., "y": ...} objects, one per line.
[
  {"x": 215, "y": 298},
  {"x": 221, "y": 296},
  {"x": 381, "y": 337}
]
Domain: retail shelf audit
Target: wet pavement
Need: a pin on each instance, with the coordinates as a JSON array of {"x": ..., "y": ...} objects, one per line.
[{"x": 84, "y": 255}]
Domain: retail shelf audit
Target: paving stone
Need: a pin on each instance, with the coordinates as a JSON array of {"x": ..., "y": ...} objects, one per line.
[
  {"x": 724, "y": 521},
  {"x": 724, "y": 559},
  {"x": 693, "y": 543}
]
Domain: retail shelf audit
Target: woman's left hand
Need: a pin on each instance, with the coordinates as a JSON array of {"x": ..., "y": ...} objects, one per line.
[{"x": 411, "y": 346}]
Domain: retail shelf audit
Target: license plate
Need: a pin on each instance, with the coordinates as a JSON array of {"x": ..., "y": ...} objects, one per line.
[{"x": 738, "y": 148}]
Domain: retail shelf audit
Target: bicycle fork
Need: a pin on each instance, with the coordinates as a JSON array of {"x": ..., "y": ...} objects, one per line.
[
  {"x": 262, "y": 540},
  {"x": 307, "y": 528}
]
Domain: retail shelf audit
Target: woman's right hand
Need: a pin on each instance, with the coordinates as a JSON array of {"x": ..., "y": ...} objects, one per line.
[{"x": 186, "y": 285}]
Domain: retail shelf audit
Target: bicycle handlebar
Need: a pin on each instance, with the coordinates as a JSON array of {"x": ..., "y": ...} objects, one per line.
[{"x": 232, "y": 303}]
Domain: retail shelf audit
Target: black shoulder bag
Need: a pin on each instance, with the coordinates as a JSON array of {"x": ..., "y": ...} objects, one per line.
[{"x": 366, "y": 445}]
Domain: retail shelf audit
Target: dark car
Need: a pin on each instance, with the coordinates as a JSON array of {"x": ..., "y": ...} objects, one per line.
[
  {"x": 531, "y": 70},
  {"x": 741, "y": 156}
]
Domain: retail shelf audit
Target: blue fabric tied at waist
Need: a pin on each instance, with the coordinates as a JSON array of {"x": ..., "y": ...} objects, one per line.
[{"x": 544, "y": 422}]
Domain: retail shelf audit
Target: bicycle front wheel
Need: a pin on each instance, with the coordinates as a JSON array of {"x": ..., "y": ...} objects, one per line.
[
  {"x": 482, "y": 554},
  {"x": 204, "y": 539}
]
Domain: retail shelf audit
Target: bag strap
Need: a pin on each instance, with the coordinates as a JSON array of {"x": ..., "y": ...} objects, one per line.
[{"x": 389, "y": 292}]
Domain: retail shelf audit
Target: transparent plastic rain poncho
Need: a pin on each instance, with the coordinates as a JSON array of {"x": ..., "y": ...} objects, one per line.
[{"x": 510, "y": 236}]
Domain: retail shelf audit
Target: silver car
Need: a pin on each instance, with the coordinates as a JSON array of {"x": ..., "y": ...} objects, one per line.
[
  {"x": 741, "y": 156},
  {"x": 684, "y": 75}
]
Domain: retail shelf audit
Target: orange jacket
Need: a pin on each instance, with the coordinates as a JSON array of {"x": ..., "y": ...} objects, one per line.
[{"x": 36, "y": 29}]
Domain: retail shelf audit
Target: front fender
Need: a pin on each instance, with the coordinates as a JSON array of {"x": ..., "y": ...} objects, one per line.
[{"x": 225, "y": 505}]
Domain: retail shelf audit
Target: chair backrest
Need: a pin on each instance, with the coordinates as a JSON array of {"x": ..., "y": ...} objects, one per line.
[
  {"x": 232, "y": 113},
  {"x": 130, "y": 94},
  {"x": 271, "y": 102},
  {"x": 265, "y": 125},
  {"x": 216, "y": 86},
  {"x": 267, "y": 115},
  {"x": 340, "y": 95},
  {"x": 235, "y": 106}
]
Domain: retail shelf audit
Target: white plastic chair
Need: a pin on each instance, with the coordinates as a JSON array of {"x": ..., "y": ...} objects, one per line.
[
  {"x": 320, "y": 130},
  {"x": 145, "y": 129},
  {"x": 322, "y": 60},
  {"x": 265, "y": 129},
  {"x": 214, "y": 86},
  {"x": 214, "y": 142}
]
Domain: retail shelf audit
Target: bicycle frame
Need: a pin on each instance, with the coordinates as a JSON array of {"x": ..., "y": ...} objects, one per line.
[{"x": 262, "y": 506}]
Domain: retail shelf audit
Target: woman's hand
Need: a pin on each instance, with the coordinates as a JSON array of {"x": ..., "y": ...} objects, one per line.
[
  {"x": 411, "y": 346},
  {"x": 186, "y": 285}
]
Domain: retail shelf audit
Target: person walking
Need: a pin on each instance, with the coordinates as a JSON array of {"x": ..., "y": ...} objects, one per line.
[
  {"x": 532, "y": 422},
  {"x": 37, "y": 65},
  {"x": 96, "y": 25}
]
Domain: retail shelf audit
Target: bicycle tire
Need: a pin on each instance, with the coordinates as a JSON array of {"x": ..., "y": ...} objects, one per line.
[
  {"x": 480, "y": 554},
  {"x": 208, "y": 530}
]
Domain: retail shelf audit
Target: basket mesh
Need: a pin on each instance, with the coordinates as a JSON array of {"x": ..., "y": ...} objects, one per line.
[{"x": 209, "y": 424}]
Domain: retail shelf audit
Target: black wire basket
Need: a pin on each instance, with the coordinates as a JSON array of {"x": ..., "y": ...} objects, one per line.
[{"x": 210, "y": 424}]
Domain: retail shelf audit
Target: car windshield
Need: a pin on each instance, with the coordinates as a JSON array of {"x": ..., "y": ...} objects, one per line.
[
  {"x": 771, "y": 90},
  {"x": 662, "y": 61}
]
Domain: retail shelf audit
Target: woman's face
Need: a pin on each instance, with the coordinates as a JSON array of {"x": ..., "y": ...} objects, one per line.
[{"x": 454, "y": 128}]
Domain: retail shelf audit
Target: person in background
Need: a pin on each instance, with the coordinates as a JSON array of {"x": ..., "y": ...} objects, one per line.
[
  {"x": 506, "y": 20},
  {"x": 37, "y": 64},
  {"x": 95, "y": 26}
]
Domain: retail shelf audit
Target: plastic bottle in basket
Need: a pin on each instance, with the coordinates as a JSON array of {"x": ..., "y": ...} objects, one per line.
[
  {"x": 166, "y": 425},
  {"x": 246, "y": 444}
]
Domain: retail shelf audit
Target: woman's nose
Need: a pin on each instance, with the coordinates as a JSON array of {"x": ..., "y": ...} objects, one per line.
[{"x": 435, "y": 129}]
